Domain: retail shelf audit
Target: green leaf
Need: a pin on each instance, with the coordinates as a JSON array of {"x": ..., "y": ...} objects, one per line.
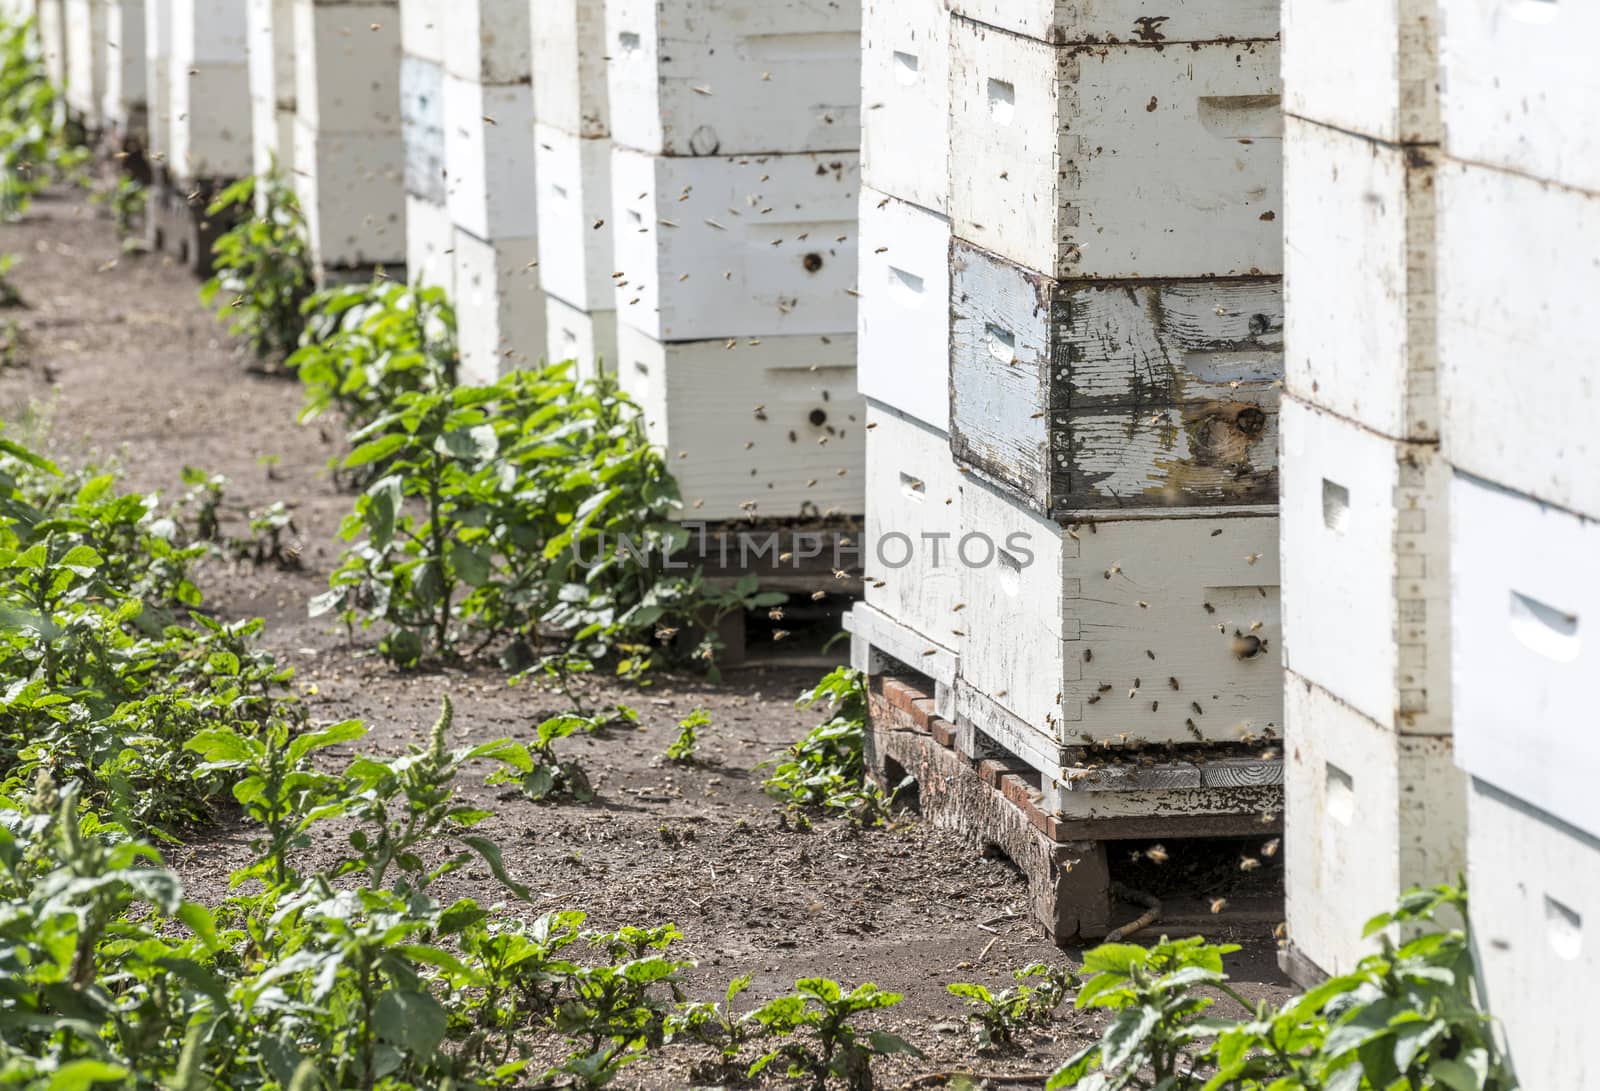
[
  {"x": 82, "y": 1075},
  {"x": 1123, "y": 1041},
  {"x": 414, "y": 1020},
  {"x": 490, "y": 852},
  {"x": 375, "y": 451},
  {"x": 1114, "y": 958}
]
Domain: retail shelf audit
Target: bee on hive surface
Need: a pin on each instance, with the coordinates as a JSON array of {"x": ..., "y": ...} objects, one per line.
[{"x": 1157, "y": 854}]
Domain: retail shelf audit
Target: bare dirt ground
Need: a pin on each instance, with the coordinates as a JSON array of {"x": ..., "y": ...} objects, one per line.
[{"x": 122, "y": 360}]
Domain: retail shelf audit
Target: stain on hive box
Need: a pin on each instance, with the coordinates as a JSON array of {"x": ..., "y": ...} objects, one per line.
[{"x": 1101, "y": 394}]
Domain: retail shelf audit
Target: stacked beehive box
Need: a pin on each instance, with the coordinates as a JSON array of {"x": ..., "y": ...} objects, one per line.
[
  {"x": 1519, "y": 214},
  {"x": 735, "y": 177},
  {"x": 124, "y": 104},
  {"x": 430, "y": 238},
  {"x": 491, "y": 186},
  {"x": 85, "y": 25},
  {"x": 1375, "y": 803},
  {"x": 349, "y": 153},
  {"x": 270, "y": 29},
  {"x": 572, "y": 138},
  {"x": 1115, "y": 350},
  {"x": 157, "y": 90}
]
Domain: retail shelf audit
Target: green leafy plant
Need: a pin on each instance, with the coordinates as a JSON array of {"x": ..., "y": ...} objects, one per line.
[
  {"x": 1033, "y": 1001},
  {"x": 541, "y": 773},
  {"x": 37, "y": 146},
  {"x": 126, "y": 198},
  {"x": 682, "y": 749},
  {"x": 826, "y": 770},
  {"x": 821, "y": 1042},
  {"x": 263, "y": 273},
  {"x": 9, "y": 295},
  {"x": 13, "y": 344},
  {"x": 716, "y": 1024}
]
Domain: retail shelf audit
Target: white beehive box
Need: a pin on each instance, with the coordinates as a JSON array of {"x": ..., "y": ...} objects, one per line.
[
  {"x": 1517, "y": 337},
  {"x": 1369, "y": 815},
  {"x": 905, "y": 100},
  {"x": 1069, "y": 21},
  {"x": 1526, "y": 600},
  {"x": 86, "y": 59},
  {"x": 1366, "y": 540},
  {"x": 569, "y": 55},
  {"x": 422, "y": 125},
  {"x": 588, "y": 338},
  {"x": 1371, "y": 67},
  {"x": 1083, "y": 632},
  {"x": 735, "y": 247},
  {"x": 703, "y": 402},
  {"x": 157, "y": 80},
  {"x": 430, "y": 245},
  {"x": 488, "y": 138},
  {"x": 1060, "y": 154},
  {"x": 574, "y": 217},
  {"x": 914, "y": 526},
  {"x": 1535, "y": 906},
  {"x": 1359, "y": 240},
  {"x": 125, "y": 102},
  {"x": 210, "y": 89},
  {"x": 902, "y": 330},
  {"x": 1518, "y": 87},
  {"x": 53, "y": 39},
  {"x": 500, "y": 311},
  {"x": 1083, "y": 394},
  {"x": 422, "y": 29},
  {"x": 270, "y": 32},
  {"x": 488, "y": 41},
  {"x": 352, "y": 190},
  {"x": 708, "y": 77},
  {"x": 347, "y": 66}
]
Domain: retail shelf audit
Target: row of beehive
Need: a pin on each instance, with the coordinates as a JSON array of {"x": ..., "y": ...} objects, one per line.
[{"x": 1071, "y": 482}]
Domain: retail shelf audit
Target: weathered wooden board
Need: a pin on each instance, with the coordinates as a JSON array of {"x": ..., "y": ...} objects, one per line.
[
  {"x": 905, "y": 107},
  {"x": 352, "y": 189},
  {"x": 735, "y": 247},
  {"x": 1525, "y": 600},
  {"x": 1126, "y": 631},
  {"x": 744, "y": 426},
  {"x": 574, "y": 217},
  {"x": 1359, "y": 240},
  {"x": 1517, "y": 334},
  {"x": 1535, "y": 902},
  {"x": 1370, "y": 815},
  {"x": 1087, "y": 394},
  {"x": 492, "y": 186},
  {"x": 422, "y": 124},
  {"x": 1370, "y": 67},
  {"x": 914, "y": 521},
  {"x": 210, "y": 91},
  {"x": 347, "y": 65},
  {"x": 569, "y": 55},
  {"x": 1520, "y": 83},
  {"x": 489, "y": 41},
  {"x": 904, "y": 291},
  {"x": 1117, "y": 161},
  {"x": 734, "y": 77},
  {"x": 1106, "y": 21},
  {"x": 1366, "y": 539}
]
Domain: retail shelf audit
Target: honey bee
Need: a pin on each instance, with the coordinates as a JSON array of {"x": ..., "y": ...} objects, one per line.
[
  {"x": 1270, "y": 849},
  {"x": 1249, "y": 863},
  {"x": 1218, "y": 905},
  {"x": 1157, "y": 854}
]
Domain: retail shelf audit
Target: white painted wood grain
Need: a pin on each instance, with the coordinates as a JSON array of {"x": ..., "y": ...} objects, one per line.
[
  {"x": 1117, "y": 161},
  {"x": 905, "y": 108},
  {"x": 270, "y": 33},
  {"x": 492, "y": 187},
  {"x": 878, "y": 634},
  {"x": 704, "y": 402},
  {"x": 1100, "y": 21},
  {"x": 422, "y": 122},
  {"x": 1526, "y": 601},
  {"x": 347, "y": 66},
  {"x": 124, "y": 102},
  {"x": 430, "y": 236},
  {"x": 707, "y": 77},
  {"x": 1519, "y": 262},
  {"x": 1370, "y": 814},
  {"x": 500, "y": 310},
  {"x": 209, "y": 107},
  {"x": 53, "y": 39},
  {"x": 574, "y": 216},
  {"x": 588, "y": 338},
  {"x": 1521, "y": 86},
  {"x": 422, "y": 29},
  {"x": 1147, "y": 393},
  {"x": 1366, "y": 66},
  {"x": 1535, "y": 906},
  {"x": 569, "y": 59},
  {"x": 902, "y": 331},
  {"x": 489, "y": 41},
  {"x": 86, "y": 59},
  {"x": 1059, "y": 614},
  {"x": 1360, "y": 254},
  {"x": 742, "y": 246},
  {"x": 352, "y": 190},
  {"x": 914, "y": 521},
  {"x": 1366, "y": 540},
  {"x": 157, "y": 71}
]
